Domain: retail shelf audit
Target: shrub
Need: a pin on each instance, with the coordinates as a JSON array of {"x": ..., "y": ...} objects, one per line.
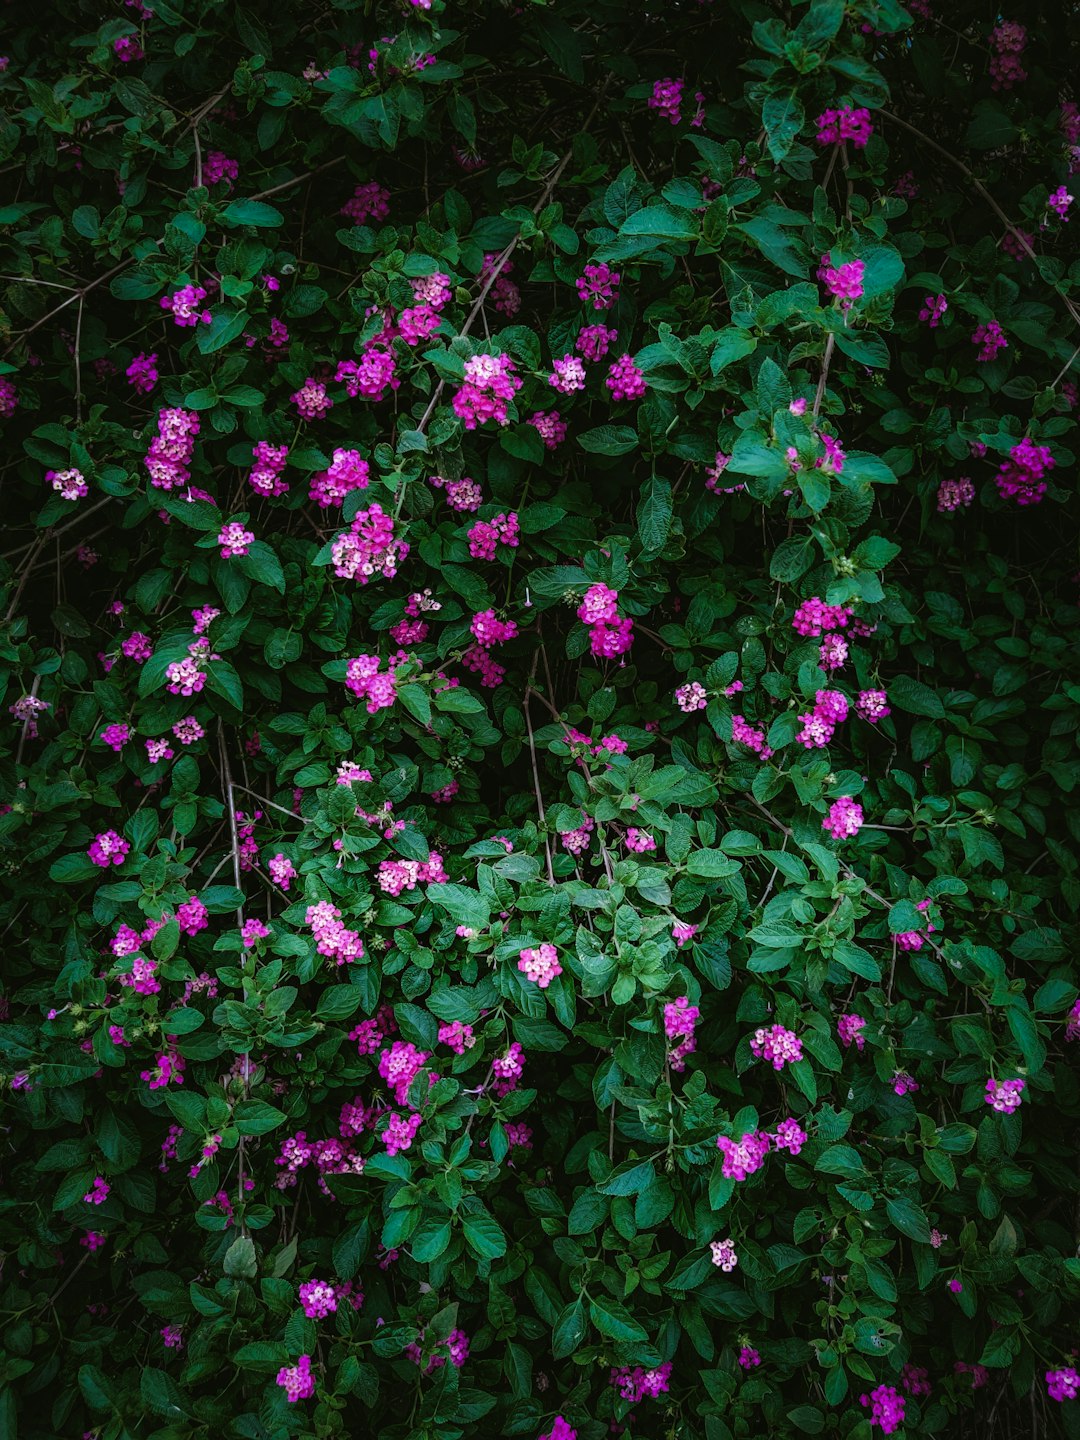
[{"x": 541, "y": 657}]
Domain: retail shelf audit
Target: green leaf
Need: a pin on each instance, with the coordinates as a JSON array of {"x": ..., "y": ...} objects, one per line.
[
  {"x": 908, "y": 1219},
  {"x": 664, "y": 222},
  {"x": 337, "y": 1002},
  {"x": 843, "y": 1160},
  {"x": 251, "y": 212},
  {"x": 654, "y": 514},
  {"x": 224, "y": 327},
  {"x": 568, "y": 1331},
  {"x": 240, "y": 1259},
  {"x": 484, "y": 1235},
  {"x": 614, "y": 1320},
  {"x": 609, "y": 440},
  {"x": 256, "y": 1117},
  {"x": 915, "y": 697},
  {"x": 712, "y": 865},
  {"x": 629, "y": 1179},
  {"x": 160, "y": 1393},
  {"x": 783, "y": 118}
]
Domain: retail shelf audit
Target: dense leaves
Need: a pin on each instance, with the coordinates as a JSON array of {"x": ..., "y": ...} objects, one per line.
[{"x": 540, "y": 642}]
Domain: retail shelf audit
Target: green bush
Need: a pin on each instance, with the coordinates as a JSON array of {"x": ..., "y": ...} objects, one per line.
[{"x": 542, "y": 691}]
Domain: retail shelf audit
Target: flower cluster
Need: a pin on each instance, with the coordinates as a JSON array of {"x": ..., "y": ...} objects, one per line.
[
  {"x": 171, "y": 449},
  {"x": 184, "y": 306},
  {"x": 778, "y": 1045},
  {"x": 490, "y": 384},
  {"x": 848, "y": 122},
  {"x": 1004, "y": 1096},
  {"x": 541, "y": 965},
  {"x": 369, "y": 547},
  {"x": 610, "y": 634},
  {"x": 598, "y": 286},
  {"x": 265, "y": 474},
  {"x": 680, "y": 1018},
  {"x": 1020, "y": 478}
]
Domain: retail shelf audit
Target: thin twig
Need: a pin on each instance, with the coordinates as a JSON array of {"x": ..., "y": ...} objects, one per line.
[
  {"x": 978, "y": 185},
  {"x": 536, "y": 775},
  {"x": 493, "y": 275},
  {"x": 78, "y": 295},
  {"x": 297, "y": 180},
  {"x": 78, "y": 361}
]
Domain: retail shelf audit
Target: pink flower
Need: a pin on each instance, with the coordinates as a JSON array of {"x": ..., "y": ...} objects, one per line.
[
  {"x": 777, "y": 1045},
  {"x": 749, "y": 1358},
  {"x": 485, "y": 536},
  {"x": 561, "y": 1429},
  {"x": 282, "y": 870},
  {"x": 68, "y": 484},
  {"x": 990, "y": 338},
  {"x": 490, "y": 383},
  {"x": 218, "y": 166},
  {"x": 744, "y": 1157},
  {"x": 594, "y": 341},
  {"x": 666, "y": 97},
  {"x": 625, "y": 380},
  {"x": 955, "y": 494},
  {"x": 843, "y": 281},
  {"x": 850, "y": 1028},
  {"x": 188, "y": 730},
  {"x": 1020, "y": 478},
  {"x": 886, "y": 1408},
  {"x": 458, "y": 1036},
  {"x": 814, "y": 617},
  {"x": 185, "y": 677},
  {"x": 835, "y": 127},
  {"x": 369, "y": 548},
  {"x": 253, "y": 930},
  {"x": 107, "y": 849},
  {"x": 540, "y": 965},
  {"x": 691, "y": 697},
  {"x": 311, "y": 400},
  {"x": 789, "y": 1136},
  {"x": 318, "y": 1298},
  {"x": 137, "y": 647},
  {"x": 598, "y": 286},
  {"x": 265, "y": 475},
  {"x": 568, "y": 375},
  {"x": 551, "y": 427},
  {"x": 126, "y": 48},
  {"x": 1004, "y": 1096},
  {"x": 1063, "y": 1384},
  {"x": 872, "y": 706},
  {"x": 234, "y": 540},
  {"x": 98, "y": 1191},
  {"x": 142, "y": 373},
  {"x": 372, "y": 376},
  {"x": 723, "y": 1254},
  {"x": 844, "y": 818},
  {"x": 400, "y": 1132},
  {"x": 297, "y": 1380},
  {"x": 417, "y": 323},
  {"x": 184, "y": 305},
  {"x": 370, "y": 201},
  {"x": 1008, "y": 41},
  {"x": 116, "y": 736},
  {"x": 934, "y": 307},
  {"x": 366, "y": 683},
  {"x": 682, "y": 932}
]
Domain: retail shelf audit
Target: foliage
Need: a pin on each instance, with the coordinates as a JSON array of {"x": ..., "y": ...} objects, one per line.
[{"x": 803, "y": 487}]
